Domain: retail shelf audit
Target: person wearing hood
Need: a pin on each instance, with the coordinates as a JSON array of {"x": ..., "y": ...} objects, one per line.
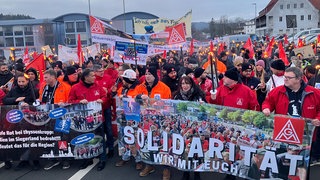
[
  {"x": 201, "y": 79},
  {"x": 170, "y": 78},
  {"x": 34, "y": 78}
]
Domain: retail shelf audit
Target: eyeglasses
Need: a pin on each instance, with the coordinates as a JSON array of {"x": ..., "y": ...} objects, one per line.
[{"x": 289, "y": 77}]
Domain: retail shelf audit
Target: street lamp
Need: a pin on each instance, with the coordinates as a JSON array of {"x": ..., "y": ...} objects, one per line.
[
  {"x": 89, "y": 7},
  {"x": 255, "y": 15},
  {"x": 124, "y": 15}
]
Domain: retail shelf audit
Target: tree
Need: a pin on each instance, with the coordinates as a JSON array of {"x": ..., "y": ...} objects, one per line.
[
  {"x": 248, "y": 116},
  {"x": 202, "y": 109},
  {"x": 223, "y": 113},
  {"x": 213, "y": 111},
  {"x": 182, "y": 107},
  {"x": 260, "y": 120}
]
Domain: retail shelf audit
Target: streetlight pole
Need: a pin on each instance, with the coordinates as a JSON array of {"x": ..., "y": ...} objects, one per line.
[
  {"x": 255, "y": 15},
  {"x": 124, "y": 15},
  {"x": 89, "y": 7}
]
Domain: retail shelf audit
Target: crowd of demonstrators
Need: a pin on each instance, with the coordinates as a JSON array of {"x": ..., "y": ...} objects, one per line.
[{"x": 243, "y": 83}]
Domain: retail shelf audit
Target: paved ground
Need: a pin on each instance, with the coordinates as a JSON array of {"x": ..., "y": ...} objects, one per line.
[{"x": 111, "y": 172}]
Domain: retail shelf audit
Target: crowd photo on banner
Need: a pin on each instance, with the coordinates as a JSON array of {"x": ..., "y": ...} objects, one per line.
[{"x": 247, "y": 109}]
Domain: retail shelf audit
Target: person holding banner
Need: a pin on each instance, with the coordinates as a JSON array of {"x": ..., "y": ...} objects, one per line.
[
  {"x": 233, "y": 93},
  {"x": 188, "y": 90},
  {"x": 54, "y": 92},
  {"x": 22, "y": 94},
  {"x": 85, "y": 91},
  {"x": 295, "y": 98},
  {"x": 152, "y": 88}
]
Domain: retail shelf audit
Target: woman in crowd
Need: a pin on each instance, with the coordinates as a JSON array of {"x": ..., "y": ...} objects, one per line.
[{"x": 34, "y": 78}]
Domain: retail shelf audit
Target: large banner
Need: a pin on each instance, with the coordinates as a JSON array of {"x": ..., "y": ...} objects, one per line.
[
  {"x": 49, "y": 131},
  {"x": 193, "y": 136},
  {"x": 67, "y": 54},
  {"x": 140, "y": 25}
]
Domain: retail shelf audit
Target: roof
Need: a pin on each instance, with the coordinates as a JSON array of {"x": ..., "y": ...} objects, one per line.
[
  {"x": 24, "y": 22},
  {"x": 315, "y": 3},
  {"x": 137, "y": 14}
]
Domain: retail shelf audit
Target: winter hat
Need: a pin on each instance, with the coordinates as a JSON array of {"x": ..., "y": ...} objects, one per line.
[
  {"x": 70, "y": 70},
  {"x": 232, "y": 74},
  {"x": 152, "y": 70},
  {"x": 278, "y": 65},
  {"x": 57, "y": 64},
  {"x": 261, "y": 63},
  {"x": 171, "y": 68},
  {"x": 198, "y": 72},
  {"x": 237, "y": 61},
  {"x": 246, "y": 66},
  {"x": 18, "y": 67},
  {"x": 188, "y": 71}
]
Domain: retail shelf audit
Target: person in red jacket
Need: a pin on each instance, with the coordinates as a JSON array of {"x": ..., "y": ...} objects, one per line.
[
  {"x": 106, "y": 82},
  {"x": 233, "y": 93},
  {"x": 295, "y": 98},
  {"x": 85, "y": 91}
]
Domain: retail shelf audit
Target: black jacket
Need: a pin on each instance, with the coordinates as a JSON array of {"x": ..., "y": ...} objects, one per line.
[{"x": 10, "y": 98}]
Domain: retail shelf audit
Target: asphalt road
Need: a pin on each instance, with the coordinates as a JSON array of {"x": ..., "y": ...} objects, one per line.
[{"x": 127, "y": 172}]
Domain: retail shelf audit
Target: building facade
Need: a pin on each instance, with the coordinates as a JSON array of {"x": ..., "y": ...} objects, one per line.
[{"x": 288, "y": 17}]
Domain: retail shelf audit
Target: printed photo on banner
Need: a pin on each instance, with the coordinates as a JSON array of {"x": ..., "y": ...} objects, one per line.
[{"x": 193, "y": 136}]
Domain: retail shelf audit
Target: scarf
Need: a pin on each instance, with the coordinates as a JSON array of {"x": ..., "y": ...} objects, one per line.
[{"x": 186, "y": 95}]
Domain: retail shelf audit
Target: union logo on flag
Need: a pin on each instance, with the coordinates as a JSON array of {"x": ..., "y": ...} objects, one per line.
[
  {"x": 96, "y": 26},
  {"x": 288, "y": 130},
  {"x": 176, "y": 34}
]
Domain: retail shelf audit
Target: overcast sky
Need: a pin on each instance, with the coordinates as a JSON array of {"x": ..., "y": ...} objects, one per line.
[{"x": 202, "y": 10}]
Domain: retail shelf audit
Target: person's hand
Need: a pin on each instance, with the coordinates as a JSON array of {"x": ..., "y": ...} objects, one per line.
[
  {"x": 144, "y": 97},
  {"x": 266, "y": 112},
  {"x": 99, "y": 101},
  {"x": 315, "y": 122},
  {"x": 20, "y": 99},
  {"x": 84, "y": 101},
  {"x": 213, "y": 94}
]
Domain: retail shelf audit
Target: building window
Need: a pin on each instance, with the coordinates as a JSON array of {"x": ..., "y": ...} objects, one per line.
[
  {"x": 309, "y": 17},
  {"x": 28, "y": 30},
  {"x": 48, "y": 28},
  {"x": 9, "y": 42},
  {"x": 288, "y": 6},
  {"x": 302, "y": 17},
  {"x": 8, "y": 31},
  {"x": 19, "y": 41},
  {"x": 70, "y": 39},
  {"x": 1, "y": 42},
  {"x": 81, "y": 26},
  {"x": 280, "y": 31},
  {"x": 294, "y": 6},
  {"x": 280, "y": 19},
  {"x": 69, "y": 27},
  {"x": 1, "y": 33},
  {"x": 301, "y": 5},
  {"x": 29, "y": 41},
  {"x": 281, "y": 6}
]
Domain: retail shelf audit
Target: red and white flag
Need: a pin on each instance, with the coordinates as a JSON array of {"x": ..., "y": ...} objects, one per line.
[
  {"x": 26, "y": 58},
  {"x": 177, "y": 34},
  {"x": 96, "y": 26},
  {"x": 79, "y": 52}
]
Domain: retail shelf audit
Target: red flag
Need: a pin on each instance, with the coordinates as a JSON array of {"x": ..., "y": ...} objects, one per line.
[
  {"x": 177, "y": 34},
  {"x": 96, "y": 26},
  {"x": 35, "y": 55},
  {"x": 282, "y": 54},
  {"x": 191, "y": 48},
  {"x": 268, "y": 51},
  {"x": 300, "y": 43},
  {"x": 26, "y": 58},
  {"x": 164, "y": 56},
  {"x": 318, "y": 40},
  {"x": 249, "y": 46},
  {"x": 37, "y": 63},
  {"x": 285, "y": 39},
  {"x": 211, "y": 46},
  {"x": 79, "y": 52},
  {"x": 221, "y": 48}
]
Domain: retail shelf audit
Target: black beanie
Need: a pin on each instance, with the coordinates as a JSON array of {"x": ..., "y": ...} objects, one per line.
[
  {"x": 170, "y": 68},
  {"x": 232, "y": 74},
  {"x": 57, "y": 64},
  {"x": 188, "y": 71},
  {"x": 278, "y": 65},
  {"x": 70, "y": 70},
  {"x": 152, "y": 70},
  {"x": 198, "y": 72},
  {"x": 19, "y": 67},
  {"x": 246, "y": 66}
]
